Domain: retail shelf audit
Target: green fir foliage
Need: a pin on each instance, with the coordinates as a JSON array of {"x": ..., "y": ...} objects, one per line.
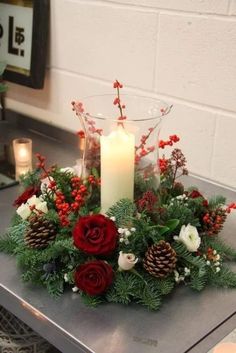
[
  {"x": 123, "y": 211},
  {"x": 225, "y": 278}
]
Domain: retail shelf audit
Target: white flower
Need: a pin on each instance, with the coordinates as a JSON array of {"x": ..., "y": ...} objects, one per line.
[
  {"x": 23, "y": 211},
  {"x": 186, "y": 271},
  {"x": 67, "y": 170},
  {"x": 208, "y": 263},
  {"x": 42, "y": 206},
  {"x": 189, "y": 237},
  {"x": 34, "y": 201},
  {"x": 113, "y": 218},
  {"x": 75, "y": 289},
  {"x": 39, "y": 204},
  {"x": 121, "y": 230},
  {"x": 126, "y": 261},
  {"x": 217, "y": 269},
  {"x": 133, "y": 229},
  {"x": 127, "y": 233}
]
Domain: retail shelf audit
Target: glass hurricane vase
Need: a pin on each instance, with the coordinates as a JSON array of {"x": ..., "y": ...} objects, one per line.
[{"x": 121, "y": 146}]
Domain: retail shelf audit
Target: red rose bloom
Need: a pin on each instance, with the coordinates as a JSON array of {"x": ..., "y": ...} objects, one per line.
[
  {"x": 95, "y": 235},
  {"x": 27, "y": 194},
  {"x": 94, "y": 277},
  {"x": 194, "y": 194}
]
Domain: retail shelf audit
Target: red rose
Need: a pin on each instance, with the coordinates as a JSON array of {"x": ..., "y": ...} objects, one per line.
[
  {"x": 27, "y": 194},
  {"x": 94, "y": 277},
  {"x": 95, "y": 235},
  {"x": 194, "y": 194}
]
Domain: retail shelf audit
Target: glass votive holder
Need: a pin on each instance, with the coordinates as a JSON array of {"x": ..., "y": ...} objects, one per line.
[{"x": 22, "y": 148}]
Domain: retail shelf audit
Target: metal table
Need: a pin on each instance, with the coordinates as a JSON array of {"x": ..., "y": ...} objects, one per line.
[{"x": 187, "y": 321}]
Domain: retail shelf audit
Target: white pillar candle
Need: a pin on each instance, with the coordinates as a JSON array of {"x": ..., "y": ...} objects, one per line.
[{"x": 117, "y": 167}]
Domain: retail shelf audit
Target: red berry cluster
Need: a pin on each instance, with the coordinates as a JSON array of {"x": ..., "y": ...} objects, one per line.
[
  {"x": 117, "y": 100},
  {"x": 77, "y": 107},
  {"x": 41, "y": 161},
  {"x": 63, "y": 208},
  {"x": 117, "y": 84},
  {"x": 213, "y": 221},
  {"x": 78, "y": 193},
  {"x": 231, "y": 207},
  {"x": 172, "y": 139},
  {"x": 94, "y": 181},
  {"x": 163, "y": 165},
  {"x": 81, "y": 134}
]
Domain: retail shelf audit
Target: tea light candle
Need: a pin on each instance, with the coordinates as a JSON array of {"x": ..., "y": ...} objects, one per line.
[
  {"x": 117, "y": 167},
  {"x": 22, "y": 148}
]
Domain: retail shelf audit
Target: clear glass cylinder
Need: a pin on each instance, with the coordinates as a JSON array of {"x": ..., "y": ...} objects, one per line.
[
  {"x": 121, "y": 146},
  {"x": 22, "y": 148}
]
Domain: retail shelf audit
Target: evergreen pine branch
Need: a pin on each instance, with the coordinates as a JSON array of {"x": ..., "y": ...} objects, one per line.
[
  {"x": 91, "y": 301},
  {"x": 123, "y": 211},
  {"x": 17, "y": 232},
  {"x": 16, "y": 219},
  {"x": 55, "y": 285},
  {"x": 197, "y": 280},
  {"x": 221, "y": 247},
  {"x": 124, "y": 288},
  {"x": 225, "y": 278},
  {"x": 216, "y": 201},
  {"x": 7, "y": 244},
  {"x": 166, "y": 285},
  {"x": 149, "y": 298},
  {"x": 30, "y": 179},
  {"x": 183, "y": 213},
  {"x": 52, "y": 216},
  {"x": 186, "y": 256}
]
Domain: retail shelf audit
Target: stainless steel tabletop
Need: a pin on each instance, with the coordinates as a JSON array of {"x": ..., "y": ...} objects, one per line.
[{"x": 187, "y": 321}]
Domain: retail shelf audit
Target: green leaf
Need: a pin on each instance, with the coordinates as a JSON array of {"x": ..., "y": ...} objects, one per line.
[{"x": 172, "y": 224}]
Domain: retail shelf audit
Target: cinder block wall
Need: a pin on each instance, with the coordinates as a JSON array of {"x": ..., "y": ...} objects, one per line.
[{"x": 182, "y": 51}]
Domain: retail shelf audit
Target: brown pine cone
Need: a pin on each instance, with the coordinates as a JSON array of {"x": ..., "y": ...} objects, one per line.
[
  {"x": 40, "y": 232},
  {"x": 160, "y": 259}
]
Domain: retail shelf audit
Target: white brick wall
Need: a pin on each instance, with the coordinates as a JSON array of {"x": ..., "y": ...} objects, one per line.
[{"x": 182, "y": 51}]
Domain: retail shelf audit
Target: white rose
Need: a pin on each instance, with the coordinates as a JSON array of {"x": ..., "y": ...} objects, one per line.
[
  {"x": 126, "y": 261},
  {"x": 34, "y": 201},
  {"x": 42, "y": 206},
  {"x": 23, "y": 211},
  {"x": 189, "y": 237}
]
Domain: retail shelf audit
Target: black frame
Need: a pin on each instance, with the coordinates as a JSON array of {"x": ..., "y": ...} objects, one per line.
[{"x": 39, "y": 48}]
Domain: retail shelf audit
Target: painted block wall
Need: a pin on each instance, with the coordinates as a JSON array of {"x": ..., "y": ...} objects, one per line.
[{"x": 181, "y": 51}]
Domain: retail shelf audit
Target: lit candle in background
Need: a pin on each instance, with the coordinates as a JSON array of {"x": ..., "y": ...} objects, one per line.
[
  {"x": 23, "y": 156},
  {"x": 117, "y": 167}
]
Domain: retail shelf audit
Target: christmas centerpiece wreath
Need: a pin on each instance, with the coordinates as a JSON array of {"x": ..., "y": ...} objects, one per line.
[{"x": 137, "y": 250}]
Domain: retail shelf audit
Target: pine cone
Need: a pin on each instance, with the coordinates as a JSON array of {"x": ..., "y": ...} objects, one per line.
[
  {"x": 160, "y": 259},
  {"x": 213, "y": 221},
  {"x": 40, "y": 232}
]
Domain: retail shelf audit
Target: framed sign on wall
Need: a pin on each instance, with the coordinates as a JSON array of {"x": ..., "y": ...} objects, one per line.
[{"x": 23, "y": 40}]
